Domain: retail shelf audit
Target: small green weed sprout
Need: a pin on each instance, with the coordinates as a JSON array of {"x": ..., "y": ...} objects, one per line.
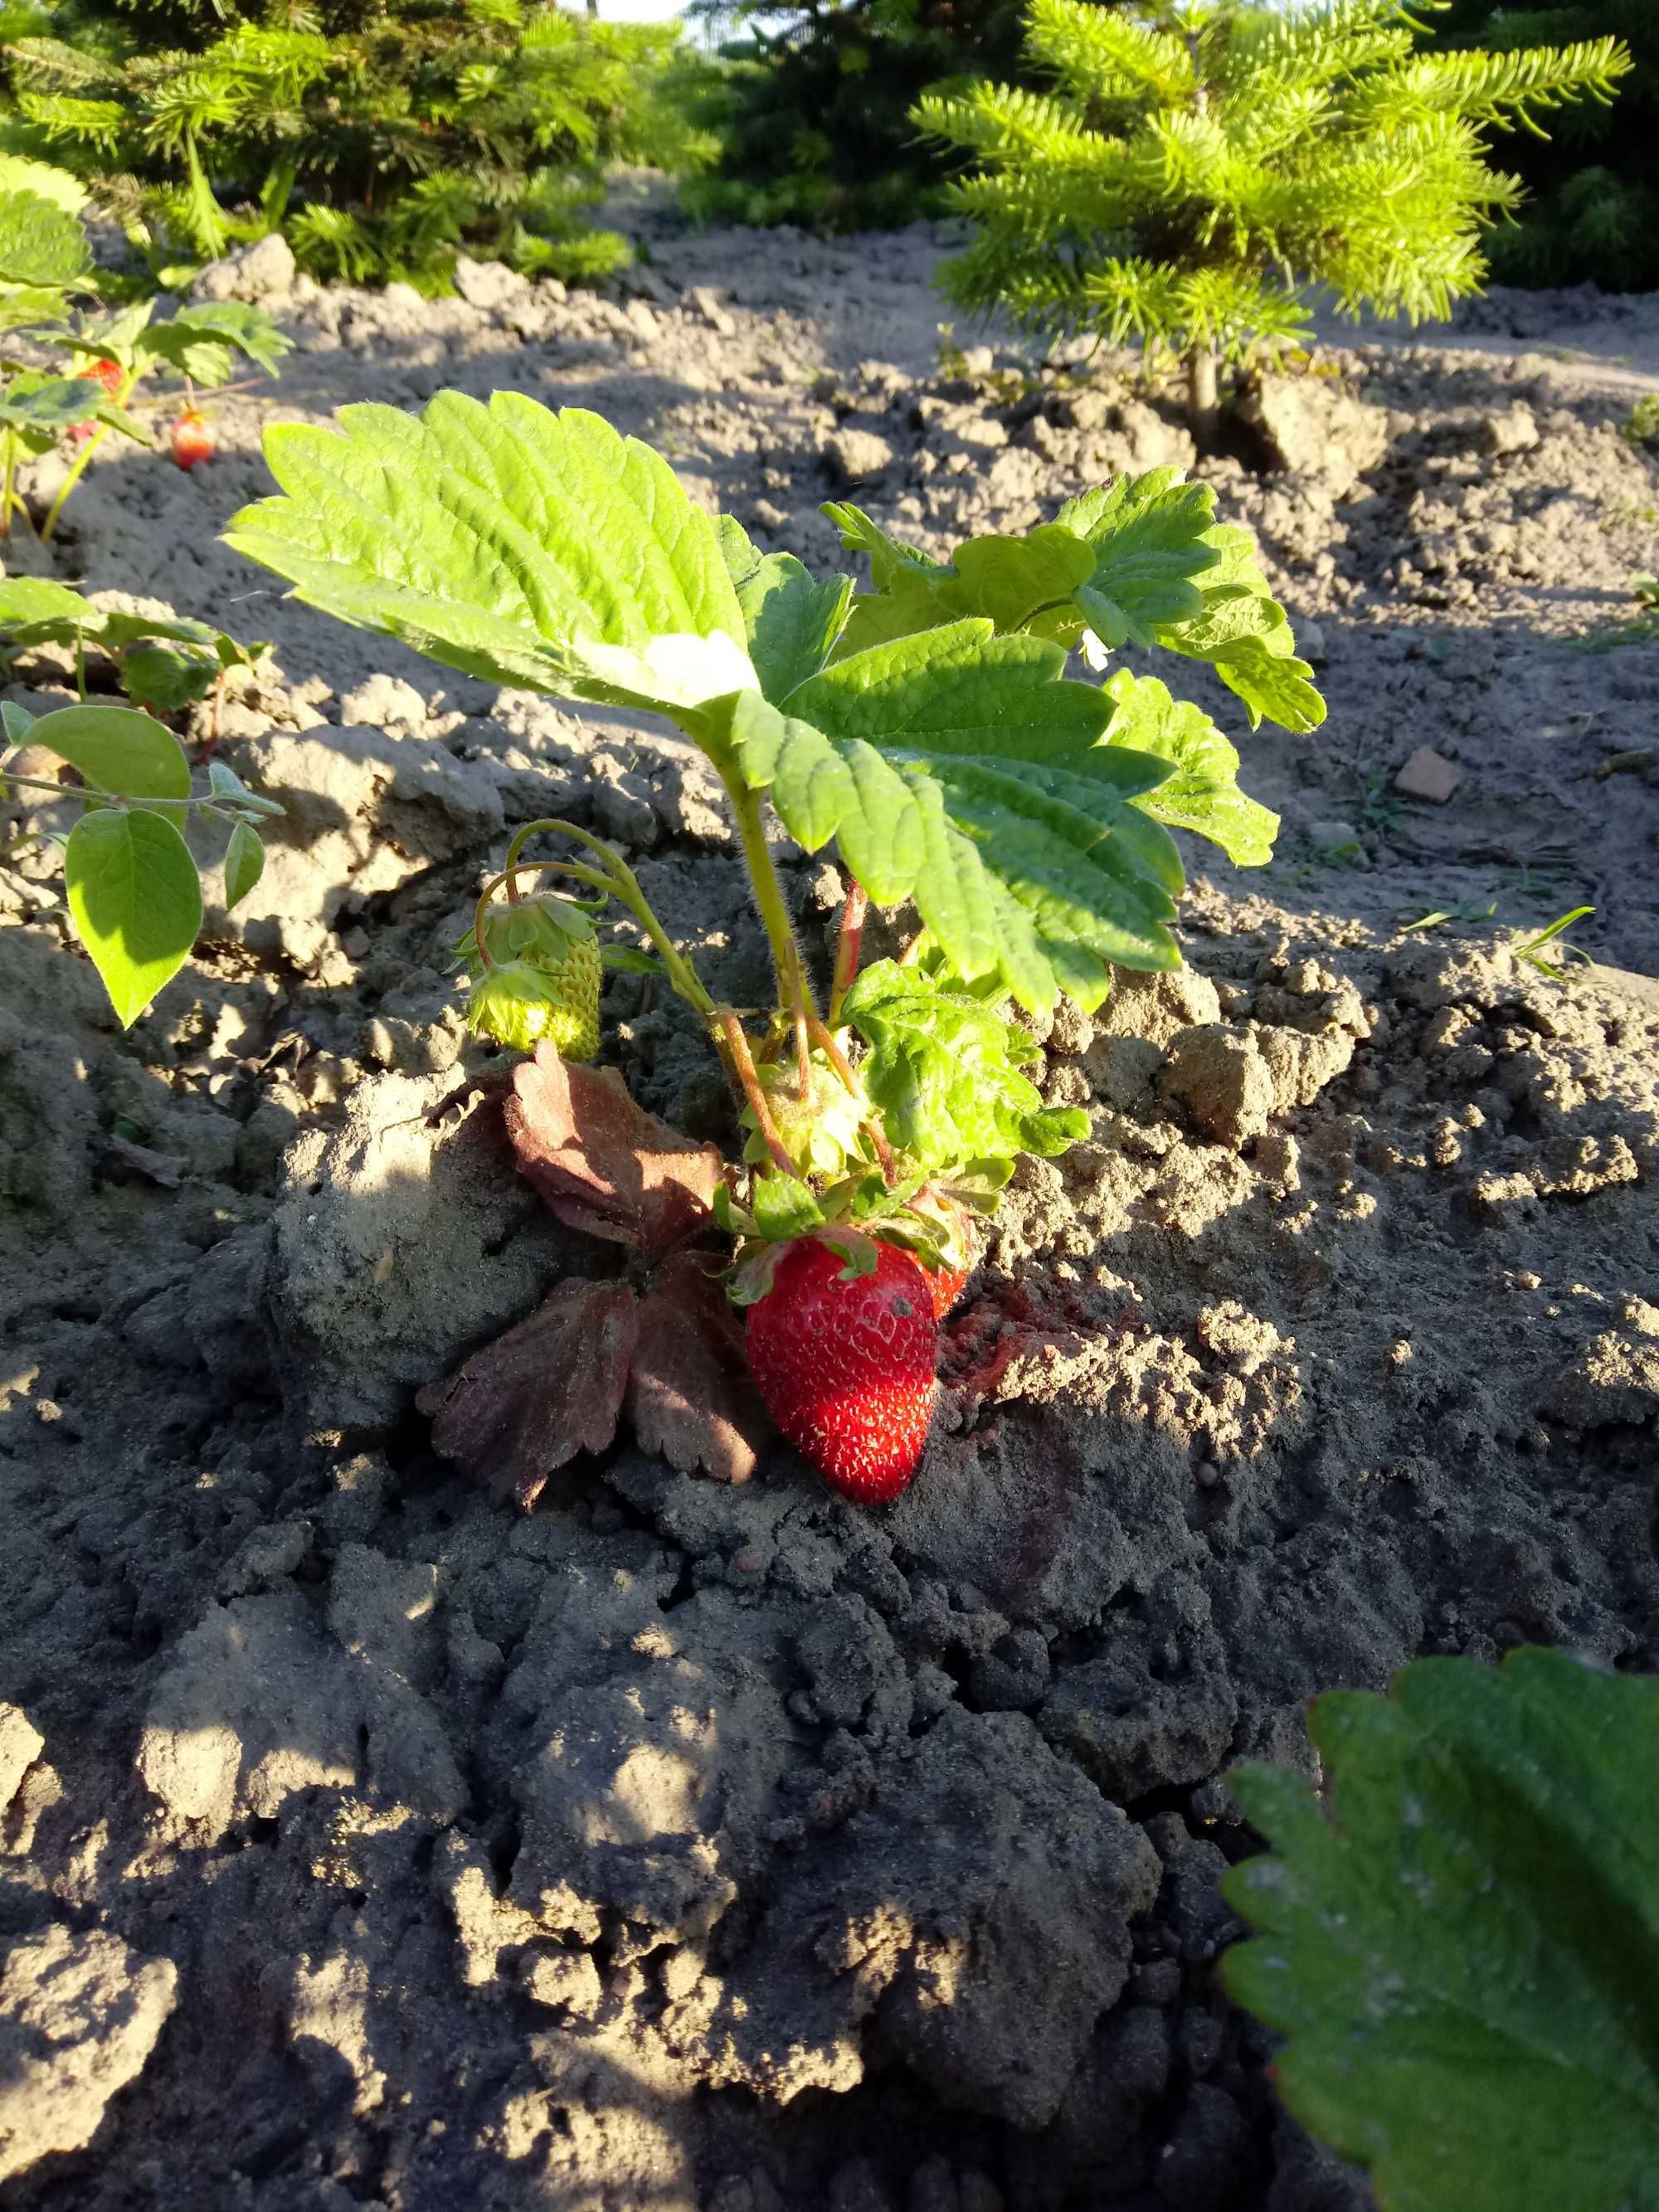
[
  {"x": 1553, "y": 933},
  {"x": 1642, "y": 628}
]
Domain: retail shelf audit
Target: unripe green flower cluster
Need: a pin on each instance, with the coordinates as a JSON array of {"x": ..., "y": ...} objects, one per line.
[{"x": 542, "y": 979}]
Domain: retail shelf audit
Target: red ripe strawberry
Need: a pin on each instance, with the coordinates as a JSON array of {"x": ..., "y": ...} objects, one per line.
[
  {"x": 945, "y": 1285},
  {"x": 847, "y": 1367},
  {"x": 947, "y": 1282},
  {"x": 192, "y": 441},
  {"x": 105, "y": 371}
]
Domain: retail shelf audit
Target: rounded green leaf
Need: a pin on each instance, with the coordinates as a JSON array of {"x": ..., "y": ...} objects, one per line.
[
  {"x": 120, "y": 751},
  {"x": 137, "y": 901},
  {"x": 244, "y": 863}
]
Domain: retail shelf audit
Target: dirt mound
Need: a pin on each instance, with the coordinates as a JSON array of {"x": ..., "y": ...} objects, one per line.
[{"x": 719, "y": 1850}]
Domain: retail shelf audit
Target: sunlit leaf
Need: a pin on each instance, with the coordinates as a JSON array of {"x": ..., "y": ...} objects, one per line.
[{"x": 136, "y": 902}]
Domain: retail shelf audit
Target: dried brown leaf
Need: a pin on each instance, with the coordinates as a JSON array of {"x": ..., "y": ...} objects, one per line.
[
  {"x": 551, "y": 1387},
  {"x": 690, "y": 1397},
  {"x": 604, "y": 1164}
]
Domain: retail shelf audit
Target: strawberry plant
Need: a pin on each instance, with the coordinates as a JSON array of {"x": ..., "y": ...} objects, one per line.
[
  {"x": 925, "y": 729},
  {"x": 1459, "y": 1936},
  {"x": 162, "y": 663},
  {"x": 202, "y": 345},
  {"x": 46, "y": 267}
]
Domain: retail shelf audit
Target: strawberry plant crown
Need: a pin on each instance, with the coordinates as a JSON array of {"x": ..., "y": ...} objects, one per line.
[{"x": 924, "y": 729}]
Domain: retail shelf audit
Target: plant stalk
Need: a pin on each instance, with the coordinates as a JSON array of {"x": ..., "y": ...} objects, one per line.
[
  {"x": 847, "y": 948},
  {"x": 616, "y": 880},
  {"x": 1203, "y": 409},
  {"x": 737, "y": 1046},
  {"x": 871, "y": 1123},
  {"x": 79, "y": 465},
  {"x": 769, "y": 892}
]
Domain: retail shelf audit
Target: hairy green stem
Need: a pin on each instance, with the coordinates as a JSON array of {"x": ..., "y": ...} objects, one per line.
[
  {"x": 769, "y": 892},
  {"x": 847, "y": 948},
  {"x": 9, "y": 496},
  {"x": 743, "y": 1066}
]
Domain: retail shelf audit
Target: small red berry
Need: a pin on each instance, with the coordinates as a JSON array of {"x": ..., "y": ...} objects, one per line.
[
  {"x": 192, "y": 441},
  {"x": 945, "y": 1284},
  {"x": 80, "y": 432},
  {"x": 106, "y": 372},
  {"x": 845, "y": 1367}
]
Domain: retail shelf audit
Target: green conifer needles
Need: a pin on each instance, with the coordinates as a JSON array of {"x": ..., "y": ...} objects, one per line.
[
  {"x": 1199, "y": 163},
  {"x": 925, "y": 728}
]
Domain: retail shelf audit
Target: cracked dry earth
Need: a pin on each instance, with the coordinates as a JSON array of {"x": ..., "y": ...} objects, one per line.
[{"x": 680, "y": 1847}]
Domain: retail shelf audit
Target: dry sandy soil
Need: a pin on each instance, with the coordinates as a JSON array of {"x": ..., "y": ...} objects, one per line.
[{"x": 710, "y": 1849}]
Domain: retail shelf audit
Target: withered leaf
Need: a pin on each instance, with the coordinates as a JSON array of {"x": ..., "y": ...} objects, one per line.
[
  {"x": 604, "y": 1164},
  {"x": 690, "y": 1397},
  {"x": 551, "y": 1387}
]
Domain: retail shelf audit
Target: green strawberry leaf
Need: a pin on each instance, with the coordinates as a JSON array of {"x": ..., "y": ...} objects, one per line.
[
  {"x": 118, "y": 750},
  {"x": 27, "y": 307},
  {"x": 164, "y": 679},
  {"x": 112, "y": 336},
  {"x": 946, "y": 1073},
  {"x": 891, "y": 558},
  {"x": 1245, "y": 635},
  {"x": 47, "y": 404},
  {"x": 41, "y": 241},
  {"x": 18, "y": 173},
  {"x": 203, "y": 343},
  {"x": 1118, "y": 560},
  {"x": 1462, "y": 1944},
  {"x": 517, "y": 545},
  {"x": 955, "y": 767},
  {"x": 791, "y": 622},
  {"x": 1148, "y": 536},
  {"x": 244, "y": 863},
  {"x": 1141, "y": 559},
  {"x": 136, "y": 900},
  {"x": 1025, "y": 583},
  {"x": 117, "y": 418},
  {"x": 628, "y": 960},
  {"x": 1202, "y": 795},
  {"x": 28, "y": 602}
]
